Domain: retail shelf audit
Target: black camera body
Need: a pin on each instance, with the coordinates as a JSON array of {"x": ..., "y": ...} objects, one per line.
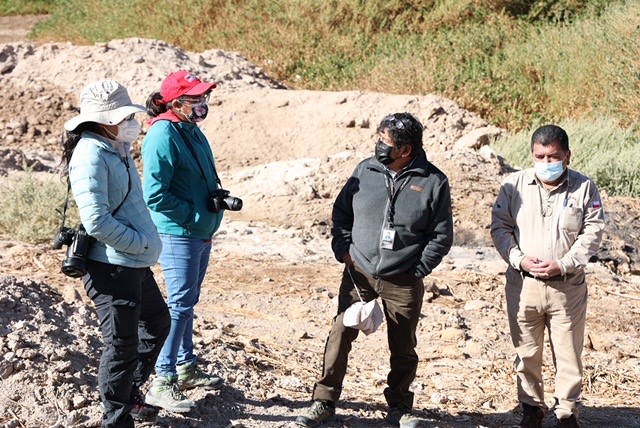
[
  {"x": 221, "y": 200},
  {"x": 79, "y": 241}
]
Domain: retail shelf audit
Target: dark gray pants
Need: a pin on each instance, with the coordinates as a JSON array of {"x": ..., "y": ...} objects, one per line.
[
  {"x": 402, "y": 302},
  {"x": 134, "y": 321}
]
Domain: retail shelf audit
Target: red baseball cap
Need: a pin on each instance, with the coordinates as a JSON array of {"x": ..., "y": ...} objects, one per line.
[{"x": 182, "y": 83}]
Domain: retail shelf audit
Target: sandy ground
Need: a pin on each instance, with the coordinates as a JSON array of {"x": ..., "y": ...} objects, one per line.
[{"x": 269, "y": 295}]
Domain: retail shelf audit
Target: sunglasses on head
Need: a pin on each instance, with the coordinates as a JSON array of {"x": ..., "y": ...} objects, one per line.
[{"x": 398, "y": 123}]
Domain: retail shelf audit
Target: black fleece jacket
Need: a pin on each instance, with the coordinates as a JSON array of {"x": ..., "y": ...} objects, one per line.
[{"x": 422, "y": 218}]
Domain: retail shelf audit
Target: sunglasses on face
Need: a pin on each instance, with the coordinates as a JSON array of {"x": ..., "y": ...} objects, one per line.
[{"x": 202, "y": 99}]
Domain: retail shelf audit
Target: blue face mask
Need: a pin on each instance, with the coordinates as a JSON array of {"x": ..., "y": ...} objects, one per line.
[{"x": 549, "y": 172}]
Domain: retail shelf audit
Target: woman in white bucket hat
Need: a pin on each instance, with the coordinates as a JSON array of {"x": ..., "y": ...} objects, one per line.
[{"x": 114, "y": 248}]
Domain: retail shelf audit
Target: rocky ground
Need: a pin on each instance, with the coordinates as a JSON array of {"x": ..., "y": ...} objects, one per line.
[{"x": 270, "y": 291}]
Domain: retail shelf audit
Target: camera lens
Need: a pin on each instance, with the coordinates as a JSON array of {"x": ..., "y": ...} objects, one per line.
[
  {"x": 73, "y": 266},
  {"x": 74, "y": 270},
  {"x": 233, "y": 203}
]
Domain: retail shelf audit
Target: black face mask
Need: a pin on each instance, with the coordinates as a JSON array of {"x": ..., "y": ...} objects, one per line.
[{"x": 383, "y": 153}]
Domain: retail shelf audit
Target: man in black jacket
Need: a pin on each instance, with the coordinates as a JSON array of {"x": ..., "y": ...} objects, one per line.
[{"x": 392, "y": 225}]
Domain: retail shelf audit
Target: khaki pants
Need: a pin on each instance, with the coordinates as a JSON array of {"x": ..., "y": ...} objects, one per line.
[
  {"x": 561, "y": 308},
  {"x": 402, "y": 302}
]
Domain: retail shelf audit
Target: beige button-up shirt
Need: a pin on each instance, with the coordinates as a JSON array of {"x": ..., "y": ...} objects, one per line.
[{"x": 565, "y": 223}]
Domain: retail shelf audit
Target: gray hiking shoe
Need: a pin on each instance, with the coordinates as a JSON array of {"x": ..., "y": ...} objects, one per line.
[
  {"x": 320, "y": 411},
  {"x": 190, "y": 376},
  {"x": 165, "y": 393},
  {"x": 401, "y": 416}
]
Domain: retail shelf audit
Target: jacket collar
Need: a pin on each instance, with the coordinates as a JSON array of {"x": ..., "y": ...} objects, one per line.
[
  {"x": 122, "y": 149},
  {"x": 419, "y": 165},
  {"x": 167, "y": 115}
]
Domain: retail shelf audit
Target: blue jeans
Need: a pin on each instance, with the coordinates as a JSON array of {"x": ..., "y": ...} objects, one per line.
[{"x": 184, "y": 263}]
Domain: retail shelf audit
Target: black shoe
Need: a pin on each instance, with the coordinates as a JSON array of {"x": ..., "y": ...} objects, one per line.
[
  {"x": 143, "y": 412},
  {"x": 320, "y": 411},
  {"x": 570, "y": 422},
  {"x": 531, "y": 416},
  {"x": 401, "y": 416}
]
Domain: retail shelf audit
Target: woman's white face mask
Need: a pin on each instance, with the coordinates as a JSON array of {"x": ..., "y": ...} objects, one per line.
[{"x": 128, "y": 131}]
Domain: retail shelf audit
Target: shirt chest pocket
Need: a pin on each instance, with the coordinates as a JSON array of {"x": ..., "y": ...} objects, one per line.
[{"x": 571, "y": 219}]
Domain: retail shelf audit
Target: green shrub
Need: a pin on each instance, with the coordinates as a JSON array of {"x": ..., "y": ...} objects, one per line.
[
  {"x": 600, "y": 148},
  {"x": 511, "y": 61},
  {"x": 26, "y": 7},
  {"x": 514, "y": 62},
  {"x": 28, "y": 211}
]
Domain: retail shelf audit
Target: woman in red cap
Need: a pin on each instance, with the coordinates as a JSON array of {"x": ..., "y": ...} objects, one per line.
[{"x": 179, "y": 179}]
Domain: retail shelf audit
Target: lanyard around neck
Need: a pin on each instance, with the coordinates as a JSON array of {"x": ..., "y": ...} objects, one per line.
[{"x": 392, "y": 194}]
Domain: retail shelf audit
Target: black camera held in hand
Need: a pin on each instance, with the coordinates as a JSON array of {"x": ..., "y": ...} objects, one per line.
[
  {"x": 79, "y": 242},
  {"x": 221, "y": 200}
]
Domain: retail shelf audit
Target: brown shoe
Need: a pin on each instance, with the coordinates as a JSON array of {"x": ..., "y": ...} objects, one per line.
[
  {"x": 570, "y": 422},
  {"x": 531, "y": 416}
]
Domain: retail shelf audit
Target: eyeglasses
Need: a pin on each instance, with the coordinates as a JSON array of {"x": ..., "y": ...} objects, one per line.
[
  {"x": 202, "y": 99},
  {"x": 396, "y": 146},
  {"x": 128, "y": 118}
]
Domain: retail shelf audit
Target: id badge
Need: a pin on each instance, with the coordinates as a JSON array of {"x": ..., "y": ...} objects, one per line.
[{"x": 388, "y": 236}]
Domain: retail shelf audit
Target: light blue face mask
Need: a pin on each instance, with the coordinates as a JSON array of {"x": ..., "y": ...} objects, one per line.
[{"x": 549, "y": 172}]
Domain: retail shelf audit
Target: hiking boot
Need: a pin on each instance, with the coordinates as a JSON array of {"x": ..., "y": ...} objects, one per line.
[
  {"x": 190, "y": 376},
  {"x": 320, "y": 411},
  {"x": 401, "y": 416},
  {"x": 143, "y": 412},
  {"x": 165, "y": 393},
  {"x": 570, "y": 422},
  {"x": 531, "y": 416}
]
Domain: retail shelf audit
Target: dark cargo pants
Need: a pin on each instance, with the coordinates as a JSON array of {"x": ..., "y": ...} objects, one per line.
[
  {"x": 402, "y": 302},
  {"x": 134, "y": 321}
]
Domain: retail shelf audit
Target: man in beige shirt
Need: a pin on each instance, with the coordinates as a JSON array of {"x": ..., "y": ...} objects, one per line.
[{"x": 546, "y": 223}]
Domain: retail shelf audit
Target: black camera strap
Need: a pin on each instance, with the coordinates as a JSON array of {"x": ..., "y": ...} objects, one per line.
[
  {"x": 126, "y": 162},
  {"x": 113, "y": 213},
  {"x": 187, "y": 143},
  {"x": 66, "y": 204}
]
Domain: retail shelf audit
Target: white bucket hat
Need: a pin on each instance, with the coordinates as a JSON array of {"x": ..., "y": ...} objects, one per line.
[
  {"x": 365, "y": 316},
  {"x": 106, "y": 102}
]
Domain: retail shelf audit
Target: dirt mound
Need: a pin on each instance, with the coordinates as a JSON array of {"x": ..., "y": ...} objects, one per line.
[{"x": 270, "y": 292}]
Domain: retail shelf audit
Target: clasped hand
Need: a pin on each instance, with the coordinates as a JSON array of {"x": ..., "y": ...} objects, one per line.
[{"x": 540, "y": 268}]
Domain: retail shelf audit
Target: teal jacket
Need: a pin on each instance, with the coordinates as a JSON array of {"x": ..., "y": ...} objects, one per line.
[
  {"x": 99, "y": 175},
  {"x": 174, "y": 188}
]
